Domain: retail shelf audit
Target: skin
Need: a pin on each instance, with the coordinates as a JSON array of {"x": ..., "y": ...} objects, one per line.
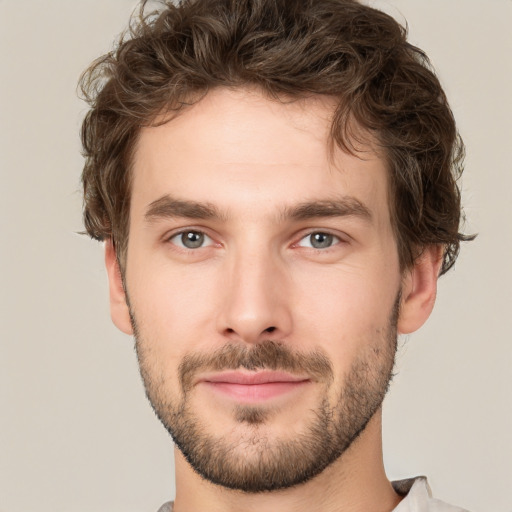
[{"x": 255, "y": 160}]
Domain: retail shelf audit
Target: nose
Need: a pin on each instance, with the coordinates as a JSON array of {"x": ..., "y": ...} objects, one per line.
[{"x": 255, "y": 298}]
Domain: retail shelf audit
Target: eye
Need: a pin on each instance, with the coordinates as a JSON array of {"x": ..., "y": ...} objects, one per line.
[
  {"x": 319, "y": 240},
  {"x": 191, "y": 239}
]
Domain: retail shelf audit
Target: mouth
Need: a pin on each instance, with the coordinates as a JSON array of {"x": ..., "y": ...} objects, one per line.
[{"x": 253, "y": 387}]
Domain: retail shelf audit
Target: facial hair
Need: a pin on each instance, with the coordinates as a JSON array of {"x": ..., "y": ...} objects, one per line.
[{"x": 255, "y": 462}]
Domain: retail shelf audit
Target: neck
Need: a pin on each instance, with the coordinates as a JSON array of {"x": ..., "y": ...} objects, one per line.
[{"x": 356, "y": 482}]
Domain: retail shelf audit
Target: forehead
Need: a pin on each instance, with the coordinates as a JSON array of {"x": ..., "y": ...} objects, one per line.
[{"x": 239, "y": 148}]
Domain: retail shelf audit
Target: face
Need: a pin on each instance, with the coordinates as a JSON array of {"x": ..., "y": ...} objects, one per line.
[{"x": 263, "y": 285}]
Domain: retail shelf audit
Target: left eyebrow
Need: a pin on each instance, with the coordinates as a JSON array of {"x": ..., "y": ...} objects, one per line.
[
  {"x": 346, "y": 206},
  {"x": 169, "y": 207}
]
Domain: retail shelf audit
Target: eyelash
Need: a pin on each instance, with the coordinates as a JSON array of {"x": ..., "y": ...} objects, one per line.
[
  {"x": 188, "y": 231},
  {"x": 334, "y": 239}
]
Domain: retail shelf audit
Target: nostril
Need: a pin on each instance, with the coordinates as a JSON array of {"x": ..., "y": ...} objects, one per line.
[{"x": 270, "y": 329}]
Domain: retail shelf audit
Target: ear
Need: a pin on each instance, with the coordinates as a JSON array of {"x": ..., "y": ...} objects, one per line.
[
  {"x": 419, "y": 289},
  {"x": 119, "y": 310}
]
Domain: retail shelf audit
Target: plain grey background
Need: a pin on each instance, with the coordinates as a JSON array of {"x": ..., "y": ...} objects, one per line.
[{"x": 76, "y": 433}]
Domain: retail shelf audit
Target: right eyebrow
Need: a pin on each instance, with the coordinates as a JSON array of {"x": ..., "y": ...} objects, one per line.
[
  {"x": 343, "y": 206},
  {"x": 168, "y": 207}
]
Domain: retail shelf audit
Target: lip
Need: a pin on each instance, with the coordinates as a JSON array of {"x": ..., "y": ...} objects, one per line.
[{"x": 253, "y": 387}]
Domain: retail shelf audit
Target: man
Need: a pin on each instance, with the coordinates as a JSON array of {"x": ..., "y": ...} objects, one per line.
[{"x": 276, "y": 185}]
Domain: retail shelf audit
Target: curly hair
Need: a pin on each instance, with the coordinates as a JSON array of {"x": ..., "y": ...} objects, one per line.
[{"x": 170, "y": 58}]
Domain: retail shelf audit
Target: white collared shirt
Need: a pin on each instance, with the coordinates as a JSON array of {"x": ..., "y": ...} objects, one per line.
[{"x": 418, "y": 497}]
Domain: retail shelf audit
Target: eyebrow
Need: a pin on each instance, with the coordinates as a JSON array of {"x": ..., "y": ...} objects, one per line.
[
  {"x": 169, "y": 207},
  {"x": 340, "y": 207}
]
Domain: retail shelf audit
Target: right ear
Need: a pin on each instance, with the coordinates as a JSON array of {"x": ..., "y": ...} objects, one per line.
[{"x": 119, "y": 311}]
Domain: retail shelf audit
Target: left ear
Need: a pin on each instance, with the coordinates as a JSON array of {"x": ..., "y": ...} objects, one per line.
[{"x": 419, "y": 288}]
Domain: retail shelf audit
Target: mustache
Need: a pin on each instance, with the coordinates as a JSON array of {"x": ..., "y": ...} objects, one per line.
[{"x": 267, "y": 355}]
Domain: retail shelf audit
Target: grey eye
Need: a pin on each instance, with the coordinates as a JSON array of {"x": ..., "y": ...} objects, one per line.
[
  {"x": 319, "y": 240},
  {"x": 191, "y": 239}
]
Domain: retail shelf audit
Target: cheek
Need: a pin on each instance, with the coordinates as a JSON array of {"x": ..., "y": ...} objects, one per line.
[
  {"x": 345, "y": 309},
  {"x": 172, "y": 307}
]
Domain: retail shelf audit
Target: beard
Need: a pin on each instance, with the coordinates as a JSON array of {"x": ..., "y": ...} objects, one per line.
[{"x": 249, "y": 458}]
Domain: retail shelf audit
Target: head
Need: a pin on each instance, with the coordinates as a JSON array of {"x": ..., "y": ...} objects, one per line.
[{"x": 276, "y": 183}]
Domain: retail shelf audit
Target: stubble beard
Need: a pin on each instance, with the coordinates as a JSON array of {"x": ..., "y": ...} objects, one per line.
[{"x": 253, "y": 461}]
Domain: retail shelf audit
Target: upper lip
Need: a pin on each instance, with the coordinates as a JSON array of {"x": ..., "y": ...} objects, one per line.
[{"x": 251, "y": 378}]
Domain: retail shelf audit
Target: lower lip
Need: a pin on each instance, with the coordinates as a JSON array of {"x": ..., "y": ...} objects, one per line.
[{"x": 252, "y": 393}]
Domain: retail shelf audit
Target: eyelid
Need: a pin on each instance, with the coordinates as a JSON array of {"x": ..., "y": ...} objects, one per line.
[
  {"x": 169, "y": 236},
  {"x": 339, "y": 238}
]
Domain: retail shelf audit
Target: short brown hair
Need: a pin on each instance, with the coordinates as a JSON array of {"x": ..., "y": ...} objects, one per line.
[{"x": 360, "y": 56}]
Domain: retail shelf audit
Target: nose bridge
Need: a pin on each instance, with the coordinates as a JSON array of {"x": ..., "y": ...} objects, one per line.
[{"x": 254, "y": 304}]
